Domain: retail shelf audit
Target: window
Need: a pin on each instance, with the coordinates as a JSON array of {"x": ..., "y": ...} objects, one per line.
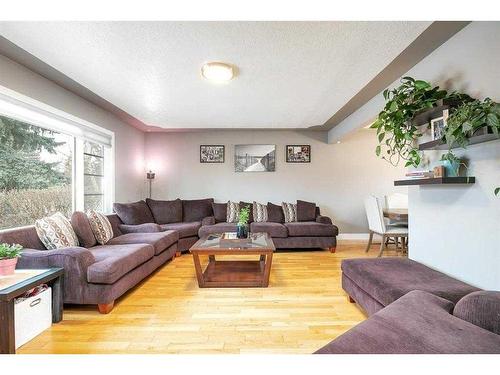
[{"x": 50, "y": 162}]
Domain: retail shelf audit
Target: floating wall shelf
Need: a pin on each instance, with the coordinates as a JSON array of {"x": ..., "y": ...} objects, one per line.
[
  {"x": 436, "y": 181},
  {"x": 440, "y": 145}
]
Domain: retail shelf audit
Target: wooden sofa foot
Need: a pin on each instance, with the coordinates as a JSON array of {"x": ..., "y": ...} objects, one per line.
[
  {"x": 333, "y": 249},
  {"x": 177, "y": 254},
  {"x": 351, "y": 300},
  {"x": 105, "y": 308}
]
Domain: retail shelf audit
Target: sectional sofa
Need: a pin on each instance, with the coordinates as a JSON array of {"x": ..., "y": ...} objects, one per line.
[
  {"x": 414, "y": 309},
  {"x": 145, "y": 236}
]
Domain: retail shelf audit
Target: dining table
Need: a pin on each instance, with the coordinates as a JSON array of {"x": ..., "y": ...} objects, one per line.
[{"x": 396, "y": 214}]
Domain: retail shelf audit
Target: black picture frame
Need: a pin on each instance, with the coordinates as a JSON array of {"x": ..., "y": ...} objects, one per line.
[
  {"x": 290, "y": 151},
  {"x": 204, "y": 154}
]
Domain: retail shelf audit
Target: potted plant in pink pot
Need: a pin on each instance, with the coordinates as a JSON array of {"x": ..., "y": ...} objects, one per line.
[{"x": 8, "y": 258}]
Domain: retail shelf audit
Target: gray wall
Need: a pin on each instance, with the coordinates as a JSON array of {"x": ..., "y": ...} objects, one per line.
[
  {"x": 456, "y": 229},
  {"x": 337, "y": 179},
  {"x": 129, "y": 142}
]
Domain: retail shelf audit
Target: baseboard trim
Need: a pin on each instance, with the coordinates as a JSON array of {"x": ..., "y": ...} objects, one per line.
[{"x": 358, "y": 237}]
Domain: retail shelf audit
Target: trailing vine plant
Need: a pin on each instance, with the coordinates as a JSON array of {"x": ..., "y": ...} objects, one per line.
[{"x": 395, "y": 131}]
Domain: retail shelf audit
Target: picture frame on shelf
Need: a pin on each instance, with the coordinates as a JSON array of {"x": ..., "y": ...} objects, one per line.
[
  {"x": 298, "y": 153},
  {"x": 437, "y": 126},
  {"x": 211, "y": 154}
]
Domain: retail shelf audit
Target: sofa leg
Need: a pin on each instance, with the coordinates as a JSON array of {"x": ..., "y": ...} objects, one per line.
[
  {"x": 333, "y": 249},
  {"x": 105, "y": 308},
  {"x": 351, "y": 300},
  {"x": 177, "y": 254}
]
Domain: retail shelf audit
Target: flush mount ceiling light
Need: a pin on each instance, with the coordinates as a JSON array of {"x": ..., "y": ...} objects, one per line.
[{"x": 217, "y": 71}]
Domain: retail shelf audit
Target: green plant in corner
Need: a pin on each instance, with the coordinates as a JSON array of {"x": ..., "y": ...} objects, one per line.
[
  {"x": 244, "y": 215},
  {"x": 395, "y": 131},
  {"x": 10, "y": 251}
]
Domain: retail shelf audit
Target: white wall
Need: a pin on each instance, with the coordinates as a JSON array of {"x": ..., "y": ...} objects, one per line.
[
  {"x": 337, "y": 179},
  {"x": 129, "y": 142},
  {"x": 457, "y": 229}
]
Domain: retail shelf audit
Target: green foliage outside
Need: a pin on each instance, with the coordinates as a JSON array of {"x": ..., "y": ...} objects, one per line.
[{"x": 30, "y": 187}]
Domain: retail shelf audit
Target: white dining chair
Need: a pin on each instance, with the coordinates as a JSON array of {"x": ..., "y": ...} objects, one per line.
[
  {"x": 396, "y": 200},
  {"x": 376, "y": 225}
]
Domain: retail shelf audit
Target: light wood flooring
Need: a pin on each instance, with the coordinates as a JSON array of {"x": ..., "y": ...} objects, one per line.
[{"x": 303, "y": 309}]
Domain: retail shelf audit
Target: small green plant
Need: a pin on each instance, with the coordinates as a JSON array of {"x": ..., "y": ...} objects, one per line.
[
  {"x": 10, "y": 251},
  {"x": 497, "y": 191},
  {"x": 244, "y": 215}
]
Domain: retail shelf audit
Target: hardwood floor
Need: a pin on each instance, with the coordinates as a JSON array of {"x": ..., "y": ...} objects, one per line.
[{"x": 303, "y": 308}]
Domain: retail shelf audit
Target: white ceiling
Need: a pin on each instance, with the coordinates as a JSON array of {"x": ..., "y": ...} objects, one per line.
[{"x": 291, "y": 74}]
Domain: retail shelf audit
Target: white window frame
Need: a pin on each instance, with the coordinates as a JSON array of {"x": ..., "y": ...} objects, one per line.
[{"x": 26, "y": 109}]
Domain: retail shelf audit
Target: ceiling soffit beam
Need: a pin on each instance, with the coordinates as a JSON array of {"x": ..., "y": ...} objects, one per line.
[
  {"x": 430, "y": 39},
  {"x": 31, "y": 62}
]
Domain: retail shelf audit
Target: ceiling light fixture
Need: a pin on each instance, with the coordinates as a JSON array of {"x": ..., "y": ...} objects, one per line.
[{"x": 217, "y": 71}]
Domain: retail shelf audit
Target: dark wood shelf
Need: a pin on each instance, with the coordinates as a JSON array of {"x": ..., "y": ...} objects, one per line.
[
  {"x": 429, "y": 114},
  {"x": 436, "y": 181},
  {"x": 440, "y": 145}
]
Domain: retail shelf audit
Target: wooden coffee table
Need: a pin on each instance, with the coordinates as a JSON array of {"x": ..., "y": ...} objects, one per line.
[{"x": 233, "y": 273}]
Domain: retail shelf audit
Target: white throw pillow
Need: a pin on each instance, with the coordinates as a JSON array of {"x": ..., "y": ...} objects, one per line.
[
  {"x": 259, "y": 212},
  {"x": 233, "y": 212},
  {"x": 56, "y": 232},
  {"x": 290, "y": 211},
  {"x": 101, "y": 227}
]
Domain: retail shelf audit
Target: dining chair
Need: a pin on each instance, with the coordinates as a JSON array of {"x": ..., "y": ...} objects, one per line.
[
  {"x": 376, "y": 225},
  {"x": 396, "y": 201}
]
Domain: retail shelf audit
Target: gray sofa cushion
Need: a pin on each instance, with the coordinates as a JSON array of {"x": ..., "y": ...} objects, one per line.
[
  {"x": 196, "y": 209},
  {"x": 140, "y": 228},
  {"x": 165, "y": 212},
  {"x": 481, "y": 309},
  {"x": 159, "y": 240},
  {"x": 306, "y": 211},
  {"x": 114, "y": 261},
  {"x": 217, "y": 228},
  {"x": 184, "y": 229},
  {"x": 134, "y": 213},
  {"x": 275, "y": 230},
  {"x": 417, "y": 323},
  {"x": 387, "y": 279},
  {"x": 311, "y": 229},
  {"x": 275, "y": 213},
  {"x": 220, "y": 212},
  {"x": 81, "y": 226}
]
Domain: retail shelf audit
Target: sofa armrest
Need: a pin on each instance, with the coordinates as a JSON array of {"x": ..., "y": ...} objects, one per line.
[
  {"x": 209, "y": 220},
  {"x": 323, "y": 219},
  {"x": 74, "y": 260},
  {"x": 140, "y": 228}
]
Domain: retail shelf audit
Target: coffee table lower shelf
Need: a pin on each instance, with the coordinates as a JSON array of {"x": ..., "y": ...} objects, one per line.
[{"x": 237, "y": 273}]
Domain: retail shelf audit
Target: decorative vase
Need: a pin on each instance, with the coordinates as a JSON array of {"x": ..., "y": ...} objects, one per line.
[
  {"x": 7, "y": 266},
  {"x": 242, "y": 231},
  {"x": 452, "y": 169}
]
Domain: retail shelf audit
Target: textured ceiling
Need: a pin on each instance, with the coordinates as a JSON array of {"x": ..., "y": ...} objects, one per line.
[{"x": 290, "y": 74}]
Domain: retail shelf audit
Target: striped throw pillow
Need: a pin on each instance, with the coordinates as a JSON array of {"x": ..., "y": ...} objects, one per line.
[
  {"x": 290, "y": 212},
  {"x": 259, "y": 212},
  {"x": 101, "y": 227},
  {"x": 56, "y": 232},
  {"x": 233, "y": 212}
]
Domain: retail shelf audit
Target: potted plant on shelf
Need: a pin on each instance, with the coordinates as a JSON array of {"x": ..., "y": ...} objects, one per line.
[
  {"x": 8, "y": 258},
  {"x": 242, "y": 226}
]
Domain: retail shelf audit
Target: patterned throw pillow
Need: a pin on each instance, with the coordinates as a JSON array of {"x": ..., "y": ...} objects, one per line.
[
  {"x": 56, "y": 232},
  {"x": 233, "y": 212},
  {"x": 290, "y": 211},
  {"x": 259, "y": 212},
  {"x": 101, "y": 226}
]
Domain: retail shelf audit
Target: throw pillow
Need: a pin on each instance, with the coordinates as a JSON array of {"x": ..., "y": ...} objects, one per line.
[
  {"x": 306, "y": 211},
  {"x": 220, "y": 212},
  {"x": 259, "y": 212},
  {"x": 56, "y": 232},
  {"x": 233, "y": 212},
  {"x": 134, "y": 213},
  {"x": 196, "y": 209},
  {"x": 81, "y": 226},
  {"x": 275, "y": 213},
  {"x": 101, "y": 227},
  {"x": 290, "y": 212},
  {"x": 165, "y": 212}
]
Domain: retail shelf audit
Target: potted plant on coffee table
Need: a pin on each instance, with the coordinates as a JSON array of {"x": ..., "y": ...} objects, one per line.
[
  {"x": 8, "y": 258},
  {"x": 242, "y": 226}
]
